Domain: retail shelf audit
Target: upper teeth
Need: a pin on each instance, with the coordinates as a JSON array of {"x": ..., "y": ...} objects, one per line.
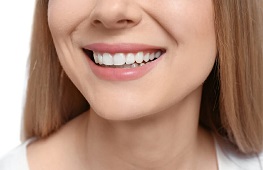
[{"x": 119, "y": 59}]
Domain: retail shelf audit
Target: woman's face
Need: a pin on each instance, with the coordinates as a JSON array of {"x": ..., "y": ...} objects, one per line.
[{"x": 180, "y": 33}]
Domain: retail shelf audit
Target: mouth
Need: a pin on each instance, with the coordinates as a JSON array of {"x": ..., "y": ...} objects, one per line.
[
  {"x": 123, "y": 59},
  {"x": 122, "y": 62}
]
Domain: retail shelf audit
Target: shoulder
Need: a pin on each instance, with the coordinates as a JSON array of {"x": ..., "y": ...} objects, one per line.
[
  {"x": 231, "y": 159},
  {"x": 49, "y": 152},
  {"x": 16, "y": 159}
]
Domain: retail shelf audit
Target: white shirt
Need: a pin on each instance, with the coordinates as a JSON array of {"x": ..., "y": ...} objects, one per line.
[
  {"x": 228, "y": 158},
  {"x": 16, "y": 159}
]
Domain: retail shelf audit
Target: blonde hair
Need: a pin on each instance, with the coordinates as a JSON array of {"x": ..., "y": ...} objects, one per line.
[{"x": 232, "y": 100}]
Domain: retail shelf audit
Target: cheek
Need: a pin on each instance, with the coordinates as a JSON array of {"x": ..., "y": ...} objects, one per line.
[
  {"x": 196, "y": 26},
  {"x": 194, "y": 56},
  {"x": 65, "y": 15},
  {"x": 185, "y": 18}
]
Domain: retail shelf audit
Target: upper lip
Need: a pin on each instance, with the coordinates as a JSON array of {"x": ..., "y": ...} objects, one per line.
[{"x": 121, "y": 48}]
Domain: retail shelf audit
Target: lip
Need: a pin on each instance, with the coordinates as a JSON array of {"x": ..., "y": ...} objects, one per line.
[{"x": 121, "y": 74}]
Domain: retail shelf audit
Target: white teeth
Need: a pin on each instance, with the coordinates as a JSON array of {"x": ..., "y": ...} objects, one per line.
[
  {"x": 119, "y": 59},
  {"x": 129, "y": 60},
  {"x": 157, "y": 55},
  {"x": 146, "y": 57},
  {"x": 107, "y": 59},
  {"x": 134, "y": 65},
  {"x": 152, "y": 56},
  {"x": 95, "y": 55},
  {"x": 100, "y": 59},
  {"x": 139, "y": 57}
]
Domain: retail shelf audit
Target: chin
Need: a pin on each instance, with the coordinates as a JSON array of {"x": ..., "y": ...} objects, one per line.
[{"x": 117, "y": 113}]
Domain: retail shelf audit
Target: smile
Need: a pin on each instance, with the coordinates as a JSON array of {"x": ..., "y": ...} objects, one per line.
[
  {"x": 122, "y": 61},
  {"x": 125, "y": 60}
]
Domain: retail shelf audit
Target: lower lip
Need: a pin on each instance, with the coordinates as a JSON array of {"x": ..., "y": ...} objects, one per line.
[{"x": 122, "y": 74}]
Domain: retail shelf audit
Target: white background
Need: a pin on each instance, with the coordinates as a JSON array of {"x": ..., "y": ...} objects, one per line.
[{"x": 15, "y": 30}]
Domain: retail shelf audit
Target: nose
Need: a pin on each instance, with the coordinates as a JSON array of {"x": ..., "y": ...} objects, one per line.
[{"x": 115, "y": 14}]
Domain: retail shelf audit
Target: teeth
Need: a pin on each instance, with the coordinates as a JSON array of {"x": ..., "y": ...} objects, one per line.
[
  {"x": 129, "y": 60},
  {"x": 107, "y": 59},
  {"x": 139, "y": 57},
  {"x": 157, "y": 55},
  {"x": 152, "y": 56},
  {"x": 100, "y": 59},
  {"x": 134, "y": 65},
  {"x": 146, "y": 58},
  {"x": 119, "y": 59},
  {"x": 96, "y": 58}
]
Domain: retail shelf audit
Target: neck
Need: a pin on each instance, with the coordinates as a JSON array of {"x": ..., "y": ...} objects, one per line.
[{"x": 170, "y": 139}]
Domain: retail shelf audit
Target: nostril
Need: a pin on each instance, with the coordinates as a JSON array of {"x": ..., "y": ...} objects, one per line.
[
  {"x": 96, "y": 21},
  {"x": 122, "y": 21},
  {"x": 118, "y": 23}
]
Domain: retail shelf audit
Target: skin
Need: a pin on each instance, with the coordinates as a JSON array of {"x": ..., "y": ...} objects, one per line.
[{"x": 135, "y": 129}]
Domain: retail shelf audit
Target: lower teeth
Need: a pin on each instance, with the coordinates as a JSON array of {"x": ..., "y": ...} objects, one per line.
[{"x": 134, "y": 65}]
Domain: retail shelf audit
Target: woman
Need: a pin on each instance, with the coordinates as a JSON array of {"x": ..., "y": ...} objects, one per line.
[{"x": 129, "y": 84}]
